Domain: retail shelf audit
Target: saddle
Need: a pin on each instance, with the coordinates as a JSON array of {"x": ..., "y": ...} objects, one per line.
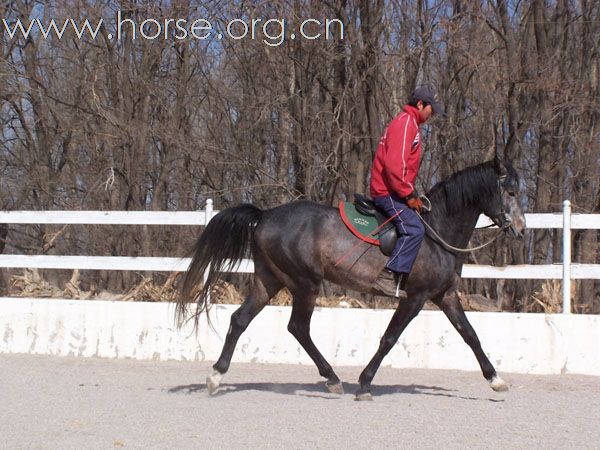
[{"x": 364, "y": 220}]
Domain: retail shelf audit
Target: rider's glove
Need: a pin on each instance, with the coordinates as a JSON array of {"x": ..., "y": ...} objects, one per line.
[{"x": 414, "y": 202}]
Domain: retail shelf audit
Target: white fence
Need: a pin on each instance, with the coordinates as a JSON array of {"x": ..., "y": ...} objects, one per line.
[
  {"x": 565, "y": 271},
  {"x": 566, "y": 221},
  {"x": 524, "y": 343}
]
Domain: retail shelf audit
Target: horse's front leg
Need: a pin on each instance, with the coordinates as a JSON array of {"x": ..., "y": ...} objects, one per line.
[
  {"x": 406, "y": 311},
  {"x": 451, "y": 306}
]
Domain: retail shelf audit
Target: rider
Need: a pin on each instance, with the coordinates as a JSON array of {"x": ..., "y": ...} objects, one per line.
[{"x": 393, "y": 173}]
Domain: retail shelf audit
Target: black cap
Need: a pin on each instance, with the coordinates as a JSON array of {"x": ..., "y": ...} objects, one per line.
[{"x": 426, "y": 95}]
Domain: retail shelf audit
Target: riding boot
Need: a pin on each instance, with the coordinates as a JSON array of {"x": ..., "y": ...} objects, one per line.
[{"x": 388, "y": 284}]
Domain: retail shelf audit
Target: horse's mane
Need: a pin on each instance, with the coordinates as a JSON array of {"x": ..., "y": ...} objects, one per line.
[{"x": 468, "y": 188}]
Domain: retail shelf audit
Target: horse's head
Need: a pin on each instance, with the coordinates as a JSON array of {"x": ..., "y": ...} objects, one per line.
[{"x": 505, "y": 209}]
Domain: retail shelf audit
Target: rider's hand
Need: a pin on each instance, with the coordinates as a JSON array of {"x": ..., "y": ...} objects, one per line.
[{"x": 415, "y": 203}]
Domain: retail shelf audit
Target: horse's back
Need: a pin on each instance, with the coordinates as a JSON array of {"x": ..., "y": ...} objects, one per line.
[
  {"x": 309, "y": 239},
  {"x": 297, "y": 224}
]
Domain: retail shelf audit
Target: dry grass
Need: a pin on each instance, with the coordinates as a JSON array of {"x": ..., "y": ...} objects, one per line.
[
  {"x": 476, "y": 302},
  {"x": 549, "y": 298},
  {"x": 227, "y": 293},
  {"x": 148, "y": 291},
  {"x": 31, "y": 284}
]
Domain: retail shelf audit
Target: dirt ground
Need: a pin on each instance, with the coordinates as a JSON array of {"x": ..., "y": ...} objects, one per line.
[{"x": 55, "y": 402}]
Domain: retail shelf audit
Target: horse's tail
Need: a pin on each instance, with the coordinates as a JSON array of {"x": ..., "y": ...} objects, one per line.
[{"x": 225, "y": 240}]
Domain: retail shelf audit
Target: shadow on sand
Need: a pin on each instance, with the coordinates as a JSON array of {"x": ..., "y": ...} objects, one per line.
[{"x": 319, "y": 390}]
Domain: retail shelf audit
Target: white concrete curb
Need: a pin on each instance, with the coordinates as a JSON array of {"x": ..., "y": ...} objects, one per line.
[{"x": 521, "y": 343}]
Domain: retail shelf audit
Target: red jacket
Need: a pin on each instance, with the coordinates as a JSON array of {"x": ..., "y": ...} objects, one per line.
[{"x": 397, "y": 158}]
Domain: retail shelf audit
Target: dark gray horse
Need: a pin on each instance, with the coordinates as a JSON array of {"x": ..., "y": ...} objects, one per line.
[{"x": 297, "y": 245}]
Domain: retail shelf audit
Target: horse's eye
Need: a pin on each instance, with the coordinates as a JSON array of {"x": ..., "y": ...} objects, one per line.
[{"x": 512, "y": 193}]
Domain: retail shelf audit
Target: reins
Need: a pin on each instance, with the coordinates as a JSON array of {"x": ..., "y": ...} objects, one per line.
[{"x": 447, "y": 246}]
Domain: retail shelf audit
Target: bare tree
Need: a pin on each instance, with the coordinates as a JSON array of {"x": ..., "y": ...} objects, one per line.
[{"x": 164, "y": 124}]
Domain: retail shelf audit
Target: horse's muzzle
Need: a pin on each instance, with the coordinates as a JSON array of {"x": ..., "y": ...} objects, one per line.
[
  {"x": 514, "y": 232},
  {"x": 513, "y": 228}
]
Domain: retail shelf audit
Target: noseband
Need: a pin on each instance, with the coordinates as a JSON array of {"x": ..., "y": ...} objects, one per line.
[{"x": 503, "y": 218}]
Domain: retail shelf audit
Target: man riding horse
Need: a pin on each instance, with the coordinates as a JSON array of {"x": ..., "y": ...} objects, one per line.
[
  {"x": 299, "y": 245},
  {"x": 393, "y": 174}
]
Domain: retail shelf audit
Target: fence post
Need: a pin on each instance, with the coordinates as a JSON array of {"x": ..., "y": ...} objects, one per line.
[
  {"x": 208, "y": 211},
  {"x": 566, "y": 285}
]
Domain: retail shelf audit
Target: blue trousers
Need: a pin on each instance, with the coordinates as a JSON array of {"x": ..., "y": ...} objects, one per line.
[{"x": 410, "y": 233}]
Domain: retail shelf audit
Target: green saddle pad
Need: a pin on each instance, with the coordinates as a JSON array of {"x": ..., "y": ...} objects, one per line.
[{"x": 362, "y": 226}]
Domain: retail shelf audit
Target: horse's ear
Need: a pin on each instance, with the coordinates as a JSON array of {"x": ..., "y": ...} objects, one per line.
[
  {"x": 499, "y": 165},
  {"x": 499, "y": 151}
]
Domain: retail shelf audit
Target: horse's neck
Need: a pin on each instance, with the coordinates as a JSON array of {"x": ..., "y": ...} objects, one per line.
[
  {"x": 461, "y": 199},
  {"x": 458, "y": 228}
]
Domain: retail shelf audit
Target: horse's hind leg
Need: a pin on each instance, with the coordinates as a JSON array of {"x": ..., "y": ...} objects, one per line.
[
  {"x": 302, "y": 308},
  {"x": 451, "y": 306},
  {"x": 264, "y": 287}
]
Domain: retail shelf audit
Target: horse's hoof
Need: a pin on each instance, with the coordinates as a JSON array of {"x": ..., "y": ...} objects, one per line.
[
  {"x": 213, "y": 381},
  {"x": 498, "y": 384},
  {"x": 363, "y": 397},
  {"x": 335, "y": 388}
]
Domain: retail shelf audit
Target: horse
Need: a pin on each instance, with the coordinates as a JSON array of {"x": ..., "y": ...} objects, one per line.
[{"x": 298, "y": 245}]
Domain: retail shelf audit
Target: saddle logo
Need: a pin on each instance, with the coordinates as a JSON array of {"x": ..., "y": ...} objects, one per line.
[{"x": 360, "y": 221}]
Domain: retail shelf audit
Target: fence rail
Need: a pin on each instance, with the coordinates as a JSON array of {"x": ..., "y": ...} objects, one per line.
[
  {"x": 157, "y": 264},
  {"x": 149, "y": 263},
  {"x": 565, "y": 271},
  {"x": 534, "y": 220},
  {"x": 110, "y": 217}
]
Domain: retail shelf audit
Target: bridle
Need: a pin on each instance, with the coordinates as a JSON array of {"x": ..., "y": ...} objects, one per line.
[{"x": 503, "y": 217}]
